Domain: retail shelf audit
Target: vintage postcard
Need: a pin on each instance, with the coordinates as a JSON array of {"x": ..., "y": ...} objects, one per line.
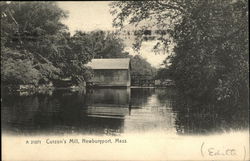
[{"x": 125, "y": 80}]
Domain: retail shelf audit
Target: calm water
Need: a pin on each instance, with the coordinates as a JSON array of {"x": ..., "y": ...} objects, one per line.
[{"x": 115, "y": 112}]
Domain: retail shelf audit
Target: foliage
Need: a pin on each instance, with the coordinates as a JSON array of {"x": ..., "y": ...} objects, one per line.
[
  {"x": 140, "y": 67},
  {"x": 33, "y": 32},
  {"x": 73, "y": 54},
  {"x": 107, "y": 45},
  {"x": 27, "y": 31},
  {"x": 17, "y": 71},
  {"x": 210, "y": 39},
  {"x": 164, "y": 73},
  {"x": 102, "y": 44}
]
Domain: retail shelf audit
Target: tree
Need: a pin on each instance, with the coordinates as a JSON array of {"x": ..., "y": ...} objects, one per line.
[
  {"x": 140, "y": 67},
  {"x": 210, "y": 39},
  {"x": 29, "y": 29},
  {"x": 164, "y": 73},
  {"x": 107, "y": 45},
  {"x": 102, "y": 44},
  {"x": 17, "y": 71},
  {"x": 32, "y": 32}
]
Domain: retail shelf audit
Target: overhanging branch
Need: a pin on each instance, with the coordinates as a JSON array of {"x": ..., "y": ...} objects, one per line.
[{"x": 168, "y": 6}]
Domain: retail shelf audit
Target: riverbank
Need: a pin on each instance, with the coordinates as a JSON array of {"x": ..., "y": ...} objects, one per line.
[{"x": 50, "y": 87}]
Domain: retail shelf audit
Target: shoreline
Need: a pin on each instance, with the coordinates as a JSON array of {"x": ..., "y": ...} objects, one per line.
[{"x": 32, "y": 88}]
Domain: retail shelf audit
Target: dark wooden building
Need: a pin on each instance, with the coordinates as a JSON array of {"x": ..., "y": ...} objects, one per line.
[{"x": 111, "y": 72}]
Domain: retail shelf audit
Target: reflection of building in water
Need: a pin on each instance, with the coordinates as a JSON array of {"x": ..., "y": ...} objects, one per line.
[
  {"x": 108, "y": 97},
  {"x": 110, "y": 72},
  {"x": 109, "y": 102}
]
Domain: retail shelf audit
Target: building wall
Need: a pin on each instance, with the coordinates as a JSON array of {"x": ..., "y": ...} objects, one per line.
[{"x": 111, "y": 77}]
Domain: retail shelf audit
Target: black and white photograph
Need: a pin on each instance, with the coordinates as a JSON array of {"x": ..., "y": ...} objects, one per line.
[{"x": 160, "y": 80}]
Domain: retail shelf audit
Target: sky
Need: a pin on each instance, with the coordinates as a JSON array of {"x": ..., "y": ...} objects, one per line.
[
  {"x": 87, "y": 15},
  {"x": 95, "y": 15}
]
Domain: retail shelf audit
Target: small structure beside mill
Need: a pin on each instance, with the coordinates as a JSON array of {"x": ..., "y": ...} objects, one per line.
[{"x": 111, "y": 72}]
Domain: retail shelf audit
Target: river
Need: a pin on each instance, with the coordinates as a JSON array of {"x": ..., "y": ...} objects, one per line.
[{"x": 115, "y": 111}]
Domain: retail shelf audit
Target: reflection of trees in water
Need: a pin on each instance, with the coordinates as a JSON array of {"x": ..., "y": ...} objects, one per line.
[
  {"x": 201, "y": 117},
  {"x": 64, "y": 111},
  {"x": 139, "y": 96},
  {"x": 166, "y": 95},
  {"x": 14, "y": 111}
]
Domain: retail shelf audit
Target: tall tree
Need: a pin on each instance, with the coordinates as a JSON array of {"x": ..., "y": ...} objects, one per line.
[
  {"x": 103, "y": 44},
  {"x": 32, "y": 32},
  {"x": 28, "y": 32},
  {"x": 210, "y": 39}
]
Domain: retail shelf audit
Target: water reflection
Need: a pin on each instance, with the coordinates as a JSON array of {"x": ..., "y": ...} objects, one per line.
[
  {"x": 200, "y": 117},
  {"x": 115, "y": 111}
]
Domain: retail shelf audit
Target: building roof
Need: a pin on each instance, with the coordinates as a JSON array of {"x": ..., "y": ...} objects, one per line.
[{"x": 118, "y": 63}]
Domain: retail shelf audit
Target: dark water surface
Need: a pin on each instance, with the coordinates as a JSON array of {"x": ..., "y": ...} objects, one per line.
[{"x": 115, "y": 111}]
